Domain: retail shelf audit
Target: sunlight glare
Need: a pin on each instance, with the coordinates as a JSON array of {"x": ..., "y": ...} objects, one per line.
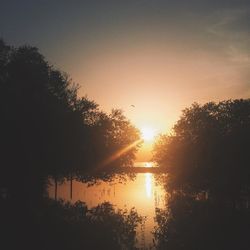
[
  {"x": 148, "y": 165},
  {"x": 148, "y": 134}
]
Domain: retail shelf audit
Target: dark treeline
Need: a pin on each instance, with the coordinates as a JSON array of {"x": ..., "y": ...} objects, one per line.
[
  {"x": 60, "y": 225},
  {"x": 46, "y": 131},
  {"x": 188, "y": 223},
  {"x": 207, "y": 162}
]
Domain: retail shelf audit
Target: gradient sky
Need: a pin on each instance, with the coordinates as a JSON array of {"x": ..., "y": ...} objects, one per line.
[{"x": 159, "y": 56}]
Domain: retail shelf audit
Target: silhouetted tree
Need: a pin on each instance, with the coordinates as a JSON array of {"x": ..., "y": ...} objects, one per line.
[
  {"x": 208, "y": 150},
  {"x": 46, "y": 128},
  {"x": 115, "y": 133}
]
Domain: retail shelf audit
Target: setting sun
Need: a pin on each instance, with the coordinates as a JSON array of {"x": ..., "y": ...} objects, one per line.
[{"x": 148, "y": 134}]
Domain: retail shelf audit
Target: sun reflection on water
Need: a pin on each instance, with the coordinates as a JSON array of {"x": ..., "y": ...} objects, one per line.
[
  {"x": 141, "y": 192},
  {"x": 148, "y": 184}
]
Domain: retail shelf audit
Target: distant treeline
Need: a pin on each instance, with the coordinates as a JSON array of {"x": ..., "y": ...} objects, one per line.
[{"x": 47, "y": 129}]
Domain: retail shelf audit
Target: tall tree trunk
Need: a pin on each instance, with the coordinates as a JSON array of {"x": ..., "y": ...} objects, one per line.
[
  {"x": 71, "y": 186},
  {"x": 55, "y": 188}
]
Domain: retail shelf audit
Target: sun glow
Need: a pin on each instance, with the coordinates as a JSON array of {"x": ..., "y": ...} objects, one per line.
[
  {"x": 148, "y": 134},
  {"x": 148, "y": 165}
]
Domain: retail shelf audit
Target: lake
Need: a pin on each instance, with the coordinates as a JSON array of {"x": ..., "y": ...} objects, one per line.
[{"x": 141, "y": 191}]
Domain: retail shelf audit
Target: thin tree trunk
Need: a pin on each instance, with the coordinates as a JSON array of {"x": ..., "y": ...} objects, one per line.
[
  {"x": 71, "y": 186},
  {"x": 55, "y": 188}
]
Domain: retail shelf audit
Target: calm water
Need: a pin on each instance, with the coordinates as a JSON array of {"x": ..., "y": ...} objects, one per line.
[{"x": 142, "y": 192}]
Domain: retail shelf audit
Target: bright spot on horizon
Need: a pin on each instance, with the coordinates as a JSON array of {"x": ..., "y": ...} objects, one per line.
[
  {"x": 148, "y": 134},
  {"x": 148, "y": 165}
]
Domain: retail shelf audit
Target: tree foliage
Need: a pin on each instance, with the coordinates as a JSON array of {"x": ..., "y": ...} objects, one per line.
[
  {"x": 188, "y": 223},
  {"x": 46, "y": 128},
  {"x": 209, "y": 149},
  {"x": 61, "y": 225}
]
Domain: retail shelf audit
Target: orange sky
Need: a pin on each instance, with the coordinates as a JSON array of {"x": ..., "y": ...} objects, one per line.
[
  {"x": 159, "y": 79},
  {"x": 160, "y": 56}
]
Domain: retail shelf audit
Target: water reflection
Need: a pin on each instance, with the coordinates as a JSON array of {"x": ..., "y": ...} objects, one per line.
[
  {"x": 146, "y": 164},
  {"x": 142, "y": 192},
  {"x": 148, "y": 184}
]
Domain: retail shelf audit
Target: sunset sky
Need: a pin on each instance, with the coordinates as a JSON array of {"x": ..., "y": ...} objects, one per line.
[{"x": 159, "y": 56}]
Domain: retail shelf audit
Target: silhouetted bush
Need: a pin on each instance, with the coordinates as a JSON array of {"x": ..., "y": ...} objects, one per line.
[
  {"x": 59, "y": 225},
  {"x": 189, "y": 223}
]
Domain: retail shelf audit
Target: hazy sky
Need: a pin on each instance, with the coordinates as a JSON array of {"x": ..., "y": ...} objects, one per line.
[{"x": 159, "y": 56}]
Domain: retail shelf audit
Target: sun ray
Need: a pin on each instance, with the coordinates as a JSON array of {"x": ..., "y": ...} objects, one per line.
[{"x": 118, "y": 154}]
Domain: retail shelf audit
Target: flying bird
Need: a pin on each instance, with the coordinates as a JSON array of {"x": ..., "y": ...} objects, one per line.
[{"x": 132, "y": 105}]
